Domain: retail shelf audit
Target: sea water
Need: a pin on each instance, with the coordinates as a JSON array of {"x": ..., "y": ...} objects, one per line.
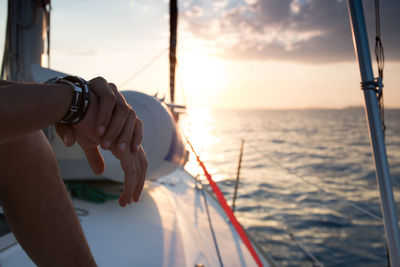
[{"x": 307, "y": 182}]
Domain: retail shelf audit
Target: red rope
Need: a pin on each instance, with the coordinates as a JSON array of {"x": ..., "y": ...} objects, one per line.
[{"x": 227, "y": 209}]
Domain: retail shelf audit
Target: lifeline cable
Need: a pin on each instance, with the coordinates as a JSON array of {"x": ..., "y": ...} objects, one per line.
[
  {"x": 319, "y": 187},
  {"x": 210, "y": 224},
  {"x": 293, "y": 238},
  {"x": 363, "y": 210},
  {"x": 380, "y": 60},
  {"x": 227, "y": 209}
]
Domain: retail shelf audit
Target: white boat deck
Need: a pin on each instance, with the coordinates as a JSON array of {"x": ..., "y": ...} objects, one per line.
[{"x": 167, "y": 227}]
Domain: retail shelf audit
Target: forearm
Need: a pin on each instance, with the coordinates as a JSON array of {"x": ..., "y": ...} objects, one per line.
[
  {"x": 4, "y": 82},
  {"x": 26, "y": 108}
]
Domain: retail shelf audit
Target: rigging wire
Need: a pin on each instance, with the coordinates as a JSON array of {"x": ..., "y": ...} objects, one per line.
[
  {"x": 291, "y": 172},
  {"x": 290, "y": 233},
  {"x": 380, "y": 60},
  {"x": 379, "y": 54},
  {"x": 303, "y": 179},
  {"x": 214, "y": 237},
  {"x": 319, "y": 187},
  {"x": 224, "y": 205},
  {"x": 286, "y": 228},
  {"x": 305, "y": 250},
  {"x": 138, "y": 72}
]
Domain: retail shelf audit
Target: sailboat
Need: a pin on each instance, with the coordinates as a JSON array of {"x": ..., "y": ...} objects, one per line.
[{"x": 177, "y": 222}]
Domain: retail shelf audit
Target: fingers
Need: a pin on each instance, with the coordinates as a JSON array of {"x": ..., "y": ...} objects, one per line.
[
  {"x": 125, "y": 137},
  {"x": 129, "y": 167},
  {"x": 138, "y": 136},
  {"x": 67, "y": 133},
  {"x": 116, "y": 121},
  {"x": 118, "y": 125},
  {"x": 107, "y": 100},
  {"x": 117, "y": 129},
  {"x": 95, "y": 159},
  {"x": 125, "y": 197},
  {"x": 141, "y": 175},
  {"x": 135, "y": 167}
]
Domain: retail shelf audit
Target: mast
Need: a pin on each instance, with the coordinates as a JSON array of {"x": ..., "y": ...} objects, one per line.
[
  {"x": 24, "y": 45},
  {"x": 388, "y": 205},
  {"x": 173, "y": 24}
]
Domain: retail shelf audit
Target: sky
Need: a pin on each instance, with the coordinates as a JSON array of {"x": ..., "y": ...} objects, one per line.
[{"x": 231, "y": 53}]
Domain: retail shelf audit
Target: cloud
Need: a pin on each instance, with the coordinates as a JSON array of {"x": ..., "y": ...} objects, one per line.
[{"x": 313, "y": 31}]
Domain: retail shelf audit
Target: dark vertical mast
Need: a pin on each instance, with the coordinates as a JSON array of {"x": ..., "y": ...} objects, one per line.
[
  {"x": 383, "y": 178},
  {"x": 173, "y": 23}
]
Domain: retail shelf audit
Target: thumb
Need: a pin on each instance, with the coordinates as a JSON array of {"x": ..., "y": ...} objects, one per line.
[
  {"x": 95, "y": 159},
  {"x": 67, "y": 133}
]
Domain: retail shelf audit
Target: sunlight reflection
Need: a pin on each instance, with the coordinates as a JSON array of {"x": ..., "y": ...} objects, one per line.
[{"x": 197, "y": 126}]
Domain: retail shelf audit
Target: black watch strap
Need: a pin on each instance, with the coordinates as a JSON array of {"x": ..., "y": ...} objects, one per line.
[{"x": 80, "y": 98}]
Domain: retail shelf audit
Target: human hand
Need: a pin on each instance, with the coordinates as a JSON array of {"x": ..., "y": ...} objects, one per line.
[
  {"x": 116, "y": 121},
  {"x": 85, "y": 134},
  {"x": 134, "y": 164},
  {"x": 108, "y": 107}
]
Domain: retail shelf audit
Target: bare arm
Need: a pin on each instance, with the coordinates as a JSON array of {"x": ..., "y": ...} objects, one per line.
[
  {"x": 28, "y": 107},
  {"x": 4, "y": 82}
]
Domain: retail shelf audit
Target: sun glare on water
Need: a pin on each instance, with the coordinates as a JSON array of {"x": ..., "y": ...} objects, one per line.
[{"x": 197, "y": 125}]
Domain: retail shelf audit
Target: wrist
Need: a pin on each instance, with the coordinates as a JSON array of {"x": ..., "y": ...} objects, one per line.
[
  {"x": 62, "y": 98},
  {"x": 79, "y": 102}
]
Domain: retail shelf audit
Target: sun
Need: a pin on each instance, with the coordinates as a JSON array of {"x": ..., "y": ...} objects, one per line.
[{"x": 200, "y": 72}]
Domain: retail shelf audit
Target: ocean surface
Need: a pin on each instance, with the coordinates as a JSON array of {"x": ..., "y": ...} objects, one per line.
[{"x": 307, "y": 191}]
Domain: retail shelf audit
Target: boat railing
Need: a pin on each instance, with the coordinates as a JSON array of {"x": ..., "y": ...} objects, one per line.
[
  {"x": 302, "y": 178},
  {"x": 319, "y": 186}
]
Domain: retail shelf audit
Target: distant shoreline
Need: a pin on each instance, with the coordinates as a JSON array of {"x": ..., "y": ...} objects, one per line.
[{"x": 292, "y": 109}]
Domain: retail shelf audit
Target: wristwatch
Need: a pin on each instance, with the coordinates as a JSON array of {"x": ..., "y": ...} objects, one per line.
[{"x": 80, "y": 99}]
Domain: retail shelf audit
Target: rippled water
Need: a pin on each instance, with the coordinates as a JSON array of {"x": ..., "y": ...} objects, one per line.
[{"x": 301, "y": 171}]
